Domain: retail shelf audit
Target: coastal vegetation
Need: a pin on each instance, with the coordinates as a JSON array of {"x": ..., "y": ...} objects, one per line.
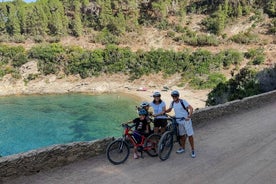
[
  {"x": 209, "y": 57},
  {"x": 200, "y": 68}
]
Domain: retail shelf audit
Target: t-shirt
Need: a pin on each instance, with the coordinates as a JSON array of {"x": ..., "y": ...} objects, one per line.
[
  {"x": 179, "y": 111},
  {"x": 158, "y": 108},
  {"x": 140, "y": 125}
]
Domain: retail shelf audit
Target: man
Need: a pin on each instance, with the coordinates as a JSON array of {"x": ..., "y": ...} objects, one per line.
[{"x": 183, "y": 112}]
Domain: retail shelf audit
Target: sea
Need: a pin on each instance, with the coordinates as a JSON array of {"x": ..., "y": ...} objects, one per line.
[{"x": 37, "y": 121}]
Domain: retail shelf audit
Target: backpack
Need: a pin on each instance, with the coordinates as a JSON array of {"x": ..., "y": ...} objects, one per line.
[{"x": 182, "y": 103}]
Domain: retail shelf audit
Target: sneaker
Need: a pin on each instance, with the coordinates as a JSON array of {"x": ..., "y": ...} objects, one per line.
[
  {"x": 193, "y": 155},
  {"x": 180, "y": 150},
  {"x": 135, "y": 156}
]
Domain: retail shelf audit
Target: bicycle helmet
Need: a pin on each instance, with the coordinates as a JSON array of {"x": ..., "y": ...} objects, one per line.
[
  {"x": 142, "y": 112},
  {"x": 144, "y": 104},
  {"x": 174, "y": 93},
  {"x": 156, "y": 94}
]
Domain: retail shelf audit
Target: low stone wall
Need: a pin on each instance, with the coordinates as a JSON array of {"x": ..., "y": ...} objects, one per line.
[
  {"x": 58, "y": 155},
  {"x": 205, "y": 115},
  {"x": 42, "y": 159}
]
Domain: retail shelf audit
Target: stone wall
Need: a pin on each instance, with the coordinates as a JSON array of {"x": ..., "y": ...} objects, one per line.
[
  {"x": 58, "y": 155},
  {"x": 205, "y": 115},
  {"x": 42, "y": 159}
]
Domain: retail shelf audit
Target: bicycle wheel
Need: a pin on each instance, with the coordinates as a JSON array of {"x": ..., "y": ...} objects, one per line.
[
  {"x": 152, "y": 144},
  {"x": 165, "y": 145},
  {"x": 170, "y": 127},
  {"x": 117, "y": 152}
]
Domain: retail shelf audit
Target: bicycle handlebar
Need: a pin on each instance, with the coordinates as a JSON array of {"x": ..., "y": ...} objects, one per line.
[{"x": 124, "y": 125}]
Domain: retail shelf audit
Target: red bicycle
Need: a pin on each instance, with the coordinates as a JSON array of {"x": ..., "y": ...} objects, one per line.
[{"x": 118, "y": 151}]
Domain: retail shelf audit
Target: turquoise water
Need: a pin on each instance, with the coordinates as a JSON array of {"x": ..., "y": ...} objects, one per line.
[{"x": 31, "y": 122}]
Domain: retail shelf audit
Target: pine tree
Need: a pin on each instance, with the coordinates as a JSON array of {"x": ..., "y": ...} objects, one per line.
[
  {"x": 3, "y": 17},
  {"x": 106, "y": 16},
  {"x": 57, "y": 20},
  {"x": 36, "y": 20},
  {"x": 22, "y": 17},
  {"x": 239, "y": 11},
  {"x": 76, "y": 22},
  {"x": 12, "y": 25}
]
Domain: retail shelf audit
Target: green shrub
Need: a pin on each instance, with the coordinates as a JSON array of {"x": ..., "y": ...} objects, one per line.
[
  {"x": 105, "y": 37},
  {"x": 257, "y": 56},
  {"x": 32, "y": 76},
  {"x": 2, "y": 72},
  {"x": 258, "y": 60},
  {"x": 19, "y": 60},
  {"x": 49, "y": 56},
  {"x": 207, "y": 82},
  {"x": 179, "y": 29},
  {"x": 242, "y": 85},
  {"x": 272, "y": 27},
  {"x": 245, "y": 38},
  {"x": 38, "y": 39},
  {"x": 18, "y": 39},
  {"x": 170, "y": 34},
  {"x": 4, "y": 38},
  {"x": 55, "y": 39},
  {"x": 16, "y": 74},
  {"x": 216, "y": 22},
  {"x": 230, "y": 57}
]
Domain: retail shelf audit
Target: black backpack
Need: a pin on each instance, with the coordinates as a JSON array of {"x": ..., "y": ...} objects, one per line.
[{"x": 182, "y": 103}]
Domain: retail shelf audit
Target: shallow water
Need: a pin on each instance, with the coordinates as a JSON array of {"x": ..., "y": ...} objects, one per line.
[{"x": 31, "y": 122}]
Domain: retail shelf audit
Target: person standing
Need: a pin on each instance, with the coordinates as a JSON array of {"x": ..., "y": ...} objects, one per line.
[
  {"x": 159, "y": 108},
  {"x": 183, "y": 112}
]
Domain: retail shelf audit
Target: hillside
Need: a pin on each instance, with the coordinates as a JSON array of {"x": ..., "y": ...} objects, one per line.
[{"x": 210, "y": 41}]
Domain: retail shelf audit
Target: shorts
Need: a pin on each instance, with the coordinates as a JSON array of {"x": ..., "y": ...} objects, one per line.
[
  {"x": 137, "y": 136},
  {"x": 185, "y": 127},
  {"x": 160, "y": 122}
]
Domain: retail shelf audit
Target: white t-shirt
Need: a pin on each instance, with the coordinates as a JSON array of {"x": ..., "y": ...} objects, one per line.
[
  {"x": 158, "y": 109},
  {"x": 179, "y": 111}
]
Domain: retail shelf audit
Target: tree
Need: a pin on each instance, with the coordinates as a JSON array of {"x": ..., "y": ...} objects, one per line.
[
  {"x": 12, "y": 25},
  {"x": 57, "y": 20},
  {"x": 76, "y": 22},
  {"x": 36, "y": 20},
  {"x": 3, "y": 18}
]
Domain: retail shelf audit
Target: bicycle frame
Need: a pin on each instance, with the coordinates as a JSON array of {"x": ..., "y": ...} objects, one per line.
[
  {"x": 173, "y": 124},
  {"x": 128, "y": 136}
]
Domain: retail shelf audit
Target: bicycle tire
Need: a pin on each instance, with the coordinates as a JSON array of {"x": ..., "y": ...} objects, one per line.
[
  {"x": 117, "y": 152},
  {"x": 153, "y": 140},
  {"x": 165, "y": 145}
]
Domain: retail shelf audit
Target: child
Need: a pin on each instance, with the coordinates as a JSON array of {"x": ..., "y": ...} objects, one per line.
[
  {"x": 141, "y": 128},
  {"x": 146, "y": 106}
]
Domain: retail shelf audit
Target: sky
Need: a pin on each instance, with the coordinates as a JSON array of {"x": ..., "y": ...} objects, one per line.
[{"x": 28, "y": 1}]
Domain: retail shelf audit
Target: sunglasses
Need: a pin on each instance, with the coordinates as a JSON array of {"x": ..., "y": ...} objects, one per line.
[{"x": 174, "y": 96}]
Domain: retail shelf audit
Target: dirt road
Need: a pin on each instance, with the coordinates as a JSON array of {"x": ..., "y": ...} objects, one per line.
[{"x": 238, "y": 149}]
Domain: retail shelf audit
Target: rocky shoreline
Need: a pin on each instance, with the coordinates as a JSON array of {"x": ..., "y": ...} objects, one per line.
[
  {"x": 104, "y": 84},
  {"x": 115, "y": 83}
]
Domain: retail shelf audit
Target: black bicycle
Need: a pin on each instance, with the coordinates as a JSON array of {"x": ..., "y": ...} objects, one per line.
[{"x": 167, "y": 140}]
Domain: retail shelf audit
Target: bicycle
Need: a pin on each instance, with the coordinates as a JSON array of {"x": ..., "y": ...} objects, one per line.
[
  {"x": 118, "y": 151},
  {"x": 168, "y": 138}
]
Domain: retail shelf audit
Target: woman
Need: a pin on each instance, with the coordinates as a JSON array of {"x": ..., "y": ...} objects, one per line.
[{"x": 159, "y": 108}]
